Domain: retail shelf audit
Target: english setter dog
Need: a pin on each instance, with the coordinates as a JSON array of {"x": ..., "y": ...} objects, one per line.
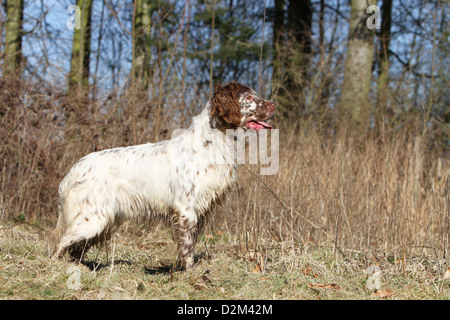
[{"x": 179, "y": 180}]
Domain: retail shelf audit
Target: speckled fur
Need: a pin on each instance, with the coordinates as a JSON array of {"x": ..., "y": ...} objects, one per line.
[{"x": 180, "y": 180}]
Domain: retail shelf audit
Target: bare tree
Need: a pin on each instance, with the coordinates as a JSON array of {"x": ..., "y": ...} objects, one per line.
[
  {"x": 278, "y": 37},
  {"x": 292, "y": 59},
  {"x": 79, "y": 65},
  {"x": 358, "y": 65},
  {"x": 383, "y": 67},
  {"x": 141, "y": 44},
  {"x": 13, "y": 36}
]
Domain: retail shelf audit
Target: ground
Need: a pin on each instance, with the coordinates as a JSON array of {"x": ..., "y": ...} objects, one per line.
[{"x": 137, "y": 265}]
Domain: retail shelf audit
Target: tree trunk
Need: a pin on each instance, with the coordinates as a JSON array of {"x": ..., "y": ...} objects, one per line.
[
  {"x": 141, "y": 46},
  {"x": 278, "y": 38},
  {"x": 292, "y": 56},
  {"x": 76, "y": 106},
  {"x": 358, "y": 68},
  {"x": 383, "y": 68},
  {"x": 13, "y": 37},
  {"x": 300, "y": 24},
  {"x": 79, "y": 65}
]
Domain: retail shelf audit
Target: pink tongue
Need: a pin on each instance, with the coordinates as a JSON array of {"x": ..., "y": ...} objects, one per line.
[{"x": 257, "y": 125}]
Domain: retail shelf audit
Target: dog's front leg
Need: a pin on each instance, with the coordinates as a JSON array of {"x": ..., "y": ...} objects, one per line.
[{"x": 185, "y": 232}]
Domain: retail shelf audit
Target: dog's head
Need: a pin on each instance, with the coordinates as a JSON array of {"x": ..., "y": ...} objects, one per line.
[{"x": 237, "y": 105}]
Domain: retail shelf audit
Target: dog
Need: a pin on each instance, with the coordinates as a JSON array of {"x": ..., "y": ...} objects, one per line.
[{"x": 179, "y": 180}]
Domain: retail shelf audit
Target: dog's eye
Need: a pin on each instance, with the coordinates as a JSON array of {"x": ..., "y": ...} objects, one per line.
[{"x": 250, "y": 97}]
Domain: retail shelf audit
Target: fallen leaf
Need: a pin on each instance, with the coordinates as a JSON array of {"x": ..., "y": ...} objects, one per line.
[
  {"x": 255, "y": 257},
  {"x": 308, "y": 271},
  {"x": 324, "y": 286},
  {"x": 382, "y": 293},
  {"x": 208, "y": 237},
  {"x": 257, "y": 269}
]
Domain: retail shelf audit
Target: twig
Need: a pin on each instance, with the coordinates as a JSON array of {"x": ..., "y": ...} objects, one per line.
[
  {"x": 261, "y": 52},
  {"x": 268, "y": 188},
  {"x": 212, "y": 50},
  {"x": 117, "y": 18},
  {"x": 133, "y": 77},
  {"x": 409, "y": 67},
  {"x": 112, "y": 258}
]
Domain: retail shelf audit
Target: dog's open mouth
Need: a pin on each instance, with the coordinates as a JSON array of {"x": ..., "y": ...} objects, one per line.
[{"x": 257, "y": 125}]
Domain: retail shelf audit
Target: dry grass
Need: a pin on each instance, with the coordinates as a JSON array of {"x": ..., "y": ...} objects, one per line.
[
  {"x": 139, "y": 268},
  {"x": 336, "y": 205},
  {"x": 382, "y": 196}
]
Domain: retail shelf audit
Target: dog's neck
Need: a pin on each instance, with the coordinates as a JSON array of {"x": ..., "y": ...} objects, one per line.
[{"x": 212, "y": 132}]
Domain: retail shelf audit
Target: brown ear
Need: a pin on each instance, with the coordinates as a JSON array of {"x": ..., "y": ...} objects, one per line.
[
  {"x": 224, "y": 104},
  {"x": 216, "y": 103}
]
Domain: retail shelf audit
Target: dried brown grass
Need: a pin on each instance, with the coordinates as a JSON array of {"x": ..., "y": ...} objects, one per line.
[{"x": 384, "y": 194}]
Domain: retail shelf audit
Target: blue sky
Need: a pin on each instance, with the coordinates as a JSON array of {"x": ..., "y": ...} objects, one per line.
[{"x": 47, "y": 46}]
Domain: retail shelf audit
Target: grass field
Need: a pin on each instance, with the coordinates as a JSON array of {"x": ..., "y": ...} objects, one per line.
[
  {"x": 338, "y": 207},
  {"x": 138, "y": 266}
]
